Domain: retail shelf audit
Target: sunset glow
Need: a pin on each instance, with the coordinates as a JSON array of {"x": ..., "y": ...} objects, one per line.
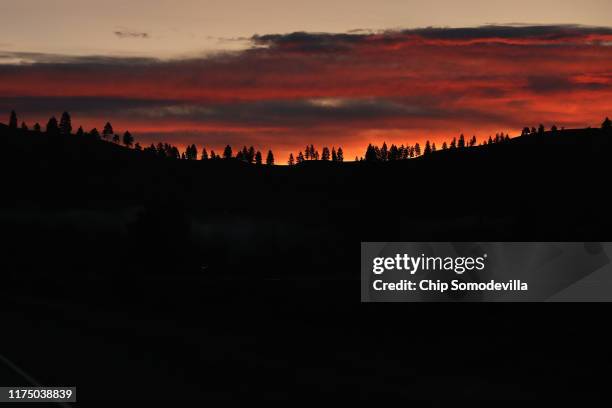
[{"x": 288, "y": 90}]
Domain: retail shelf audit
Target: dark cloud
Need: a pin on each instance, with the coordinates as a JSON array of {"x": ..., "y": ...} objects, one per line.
[
  {"x": 326, "y": 42},
  {"x": 64, "y": 60},
  {"x": 131, "y": 34},
  {"x": 550, "y": 32},
  {"x": 561, "y": 84}
]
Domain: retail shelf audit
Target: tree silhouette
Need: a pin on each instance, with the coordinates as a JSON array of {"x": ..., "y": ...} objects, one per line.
[
  {"x": 370, "y": 154},
  {"x": 433, "y": 147},
  {"x": 107, "y": 131},
  {"x": 444, "y": 146},
  {"x": 137, "y": 147},
  {"x": 52, "y": 127},
  {"x": 80, "y": 132},
  {"x": 250, "y": 156},
  {"x": 307, "y": 153},
  {"x": 192, "y": 152},
  {"x": 393, "y": 152},
  {"x": 553, "y": 128},
  {"x": 128, "y": 139},
  {"x": 325, "y": 156},
  {"x": 461, "y": 143},
  {"x": 270, "y": 158},
  {"x": 453, "y": 144},
  {"x": 36, "y": 127},
  {"x": 116, "y": 138},
  {"x": 607, "y": 124},
  {"x": 473, "y": 141},
  {"x": 240, "y": 156},
  {"x": 291, "y": 160},
  {"x": 334, "y": 155},
  {"x": 300, "y": 158},
  {"x": 340, "y": 155},
  {"x": 227, "y": 152},
  {"x": 541, "y": 130},
  {"x": 427, "y": 148},
  {"x": 94, "y": 133},
  {"x": 384, "y": 152},
  {"x": 65, "y": 125},
  {"x": 204, "y": 154},
  {"x": 243, "y": 154},
  {"x": 258, "y": 158},
  {"x": 526, "y": 131},
  {"x": 417, "y": 149},
  {"x": 24, "y": 126},
  {"x": 13, "y": 120}
]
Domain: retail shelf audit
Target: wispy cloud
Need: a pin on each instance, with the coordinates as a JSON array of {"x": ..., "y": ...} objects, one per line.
[{"x": 131, "y": 34}]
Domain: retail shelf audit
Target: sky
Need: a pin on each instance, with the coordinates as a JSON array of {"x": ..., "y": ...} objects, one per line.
[{"x": 282, "y": 74}]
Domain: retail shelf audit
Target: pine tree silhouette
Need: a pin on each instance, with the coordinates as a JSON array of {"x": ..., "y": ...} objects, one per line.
[
  {"x": 227, "y": 152},
  {"x": 94, "y": 133},
  {"x": 13, "y": 120},
  {"x": 250, "y": 154},
  {"x": 80, "y": 132},
  {"x": 204, "y": 154},
  {"x": 258, "y": 158},
  {"x": 36, "y": 127},
  {"x": 370, "y": 154},
  {"x": 107, "y": 131},
  {"x": 128, "y": 139},
  {"x": 427, "y": 148},
  {"x": 116, "y": 138},
  {"x": 300, "y": 158},
  {"x": 384, "y": 152},
  {"x": 461, "y": 143},
  {"x": 291, "y": 160},
  {"x": 340, "y": 155},
  {"x": 24, "y": 127},
  {"x": 607, "y": 124},
  {"x": 325, "y": 155},
  {"x": 270, "y": 158},
  {"x": 65, "y": 124},
  {"x": 52, "y": 127}
]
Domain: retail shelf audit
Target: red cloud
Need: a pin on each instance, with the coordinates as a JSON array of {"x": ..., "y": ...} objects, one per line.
[{"x": 334, "y": 89}]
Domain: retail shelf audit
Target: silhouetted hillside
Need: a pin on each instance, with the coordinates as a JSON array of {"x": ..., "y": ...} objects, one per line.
[
  {"x": 197, "y": 275},
  {"x": 89, "y": 194}
]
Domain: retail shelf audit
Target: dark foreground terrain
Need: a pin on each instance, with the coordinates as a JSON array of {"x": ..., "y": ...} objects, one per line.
[{"x": 147, "y": 281}]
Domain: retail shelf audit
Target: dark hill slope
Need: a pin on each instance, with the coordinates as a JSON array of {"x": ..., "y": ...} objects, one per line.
[{"x": 549, "y": 187}]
